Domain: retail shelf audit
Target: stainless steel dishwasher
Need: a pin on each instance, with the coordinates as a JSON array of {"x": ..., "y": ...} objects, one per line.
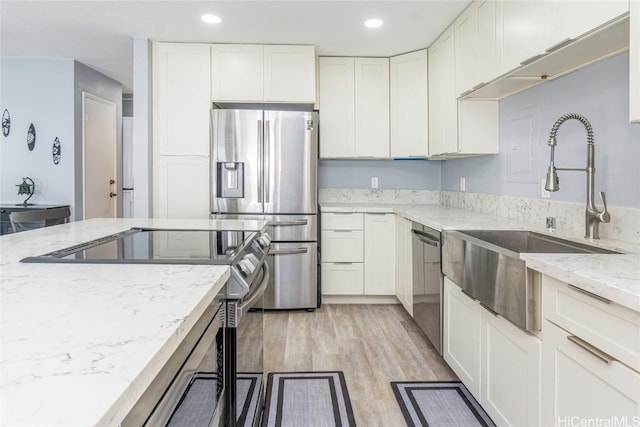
[{"x": 427, "y": 282}]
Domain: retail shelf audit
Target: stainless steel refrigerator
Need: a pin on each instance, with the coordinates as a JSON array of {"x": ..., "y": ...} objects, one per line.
[{"x": 264, "y": 165}]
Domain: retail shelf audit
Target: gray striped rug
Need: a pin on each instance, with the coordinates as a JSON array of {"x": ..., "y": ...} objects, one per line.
[
  {"x": 307, "y": 399},
  {"x": 439, "y": 404}
]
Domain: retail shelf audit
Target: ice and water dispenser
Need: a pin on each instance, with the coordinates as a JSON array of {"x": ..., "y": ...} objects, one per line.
[{"x": 230, "y": 179}]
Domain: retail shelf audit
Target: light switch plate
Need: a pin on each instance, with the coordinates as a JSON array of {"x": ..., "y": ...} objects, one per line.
[
  {"x": 374, "y": 182},
  {"x": 463, "y": 184}
]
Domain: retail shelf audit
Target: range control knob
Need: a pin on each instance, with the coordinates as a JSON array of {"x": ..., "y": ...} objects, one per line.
[
  {"x": 264, "y": 241},
  {"x": 252, "y": 259},
  {"x": 246, "y": 267}
]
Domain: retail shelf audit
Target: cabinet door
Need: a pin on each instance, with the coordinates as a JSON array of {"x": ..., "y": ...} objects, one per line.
[
  {"x": 409, "y": 104},
  {"x": 511, "y": 372},
  {"x": 237, "y": 73},
  {"x": 478, "y": 127},
  {"x": 342, "y": 246},
  {"x": 488, "y": 46},
  {"x": 343, "y": 278},
  {"x": 573, "y": 19},
  {"x": 183, "y": 90},
  {"x": 466, "y": 49},
  {"x": 289, "y": 74},
  {"x": 443, "y": 103},
  {"x": 525, "y": 29},
  {"x": 379, "y": 254},
  {"x": 372, "y": 107},
  {"x": 634, "y": 61},
  {"x": 461, "y": 343},
  {"x": 578, "y": 384},
  {"x": 183, "y": 189},
  {"x": 337, "y": 110}
]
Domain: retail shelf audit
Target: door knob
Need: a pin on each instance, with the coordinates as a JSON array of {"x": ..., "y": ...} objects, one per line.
[
  {"x": 112, "y": 194},
  {"x": 111, "y": 181}
]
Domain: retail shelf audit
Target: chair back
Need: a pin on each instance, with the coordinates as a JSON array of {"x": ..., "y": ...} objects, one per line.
[{"x": 55, "y": 216}]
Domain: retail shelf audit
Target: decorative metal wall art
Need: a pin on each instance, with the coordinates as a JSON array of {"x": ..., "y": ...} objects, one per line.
[
  {"x": 31, "y": 137},
  {"x": 6, "y": 123},
  {"x": 56, "y": 151}
]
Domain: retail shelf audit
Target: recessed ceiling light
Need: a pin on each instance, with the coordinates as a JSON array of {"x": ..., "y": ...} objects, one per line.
[
  {"x": 211, "y": 19},
  {"x": 373, "y": 23}
]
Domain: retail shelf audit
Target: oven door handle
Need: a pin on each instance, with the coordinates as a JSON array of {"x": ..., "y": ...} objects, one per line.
[{"x": 247, "y": 304}]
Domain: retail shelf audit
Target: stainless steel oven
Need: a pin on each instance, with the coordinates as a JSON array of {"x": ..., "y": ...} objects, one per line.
[{"x": 427, "y": 282}]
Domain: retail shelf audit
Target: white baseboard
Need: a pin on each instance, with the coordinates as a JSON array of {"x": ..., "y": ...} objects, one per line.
[{"x": 359, "y": 299}]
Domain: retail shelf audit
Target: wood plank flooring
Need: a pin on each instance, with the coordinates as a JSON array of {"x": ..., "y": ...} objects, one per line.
[{"x": 372, "y": 344}]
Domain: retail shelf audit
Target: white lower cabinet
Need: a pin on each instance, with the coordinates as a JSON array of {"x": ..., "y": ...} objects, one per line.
[
  {"x": 404, "y": 266},
  {"x": 499, "y": 363},
  {"x": 358, "y": 254},
  {"x": 510, "y": 372},
  {"x": 379, "y": 254},
  {"x": 342, "y": 278},
  {"x": 579, "y": 386},
  {"x": 461, "y": 344}
]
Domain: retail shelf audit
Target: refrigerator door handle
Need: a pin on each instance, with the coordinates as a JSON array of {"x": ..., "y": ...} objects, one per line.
[
  {"x": 260, "y": 161},
  {"x": 289, "y": 251},
  {"x": 288, "y": 223},
  {"x": 267, "y": 160}
]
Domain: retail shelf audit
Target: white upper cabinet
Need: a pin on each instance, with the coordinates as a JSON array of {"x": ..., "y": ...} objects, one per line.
[
  {"x": 372, "y": 107},
  {"x": 409, "y": 104},
  {"x": 182, "y": 104},
  {"x": 572, "y": 19},
  {"x": 443, "y": 104},
  {"x": 257, "y": 73},
  {"x": 237, "y": 72},
  {"x": 337, "y": 109},
  {"x": 466, "y": 48},
  {"x": 354, "y": 107},
  {"x": 488, "y": 42},
  {"x": 634, "y": 62},
  {"x": 290, "y": 74},
  {"x": 525, "y": 29}
]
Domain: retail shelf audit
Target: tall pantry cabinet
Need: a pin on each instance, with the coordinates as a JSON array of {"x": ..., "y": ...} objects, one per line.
[{"x": 182, "y": 100}]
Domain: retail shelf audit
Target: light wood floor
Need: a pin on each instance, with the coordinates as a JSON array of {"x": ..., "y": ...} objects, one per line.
[{"x": 372, "y": 344}]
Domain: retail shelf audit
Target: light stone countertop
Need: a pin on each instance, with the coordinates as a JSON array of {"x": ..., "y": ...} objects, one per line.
[
  {"x": 615, "y": 277},
  {"x": 81, "y": 342}
]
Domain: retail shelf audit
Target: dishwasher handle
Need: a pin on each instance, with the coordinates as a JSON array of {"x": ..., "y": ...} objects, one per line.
[{"x": 425, "y": 238}]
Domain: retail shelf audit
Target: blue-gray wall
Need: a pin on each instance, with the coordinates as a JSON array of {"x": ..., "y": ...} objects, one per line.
[
  {"x": 392, "y": 174},
  {"x": 599, "y": 92}
]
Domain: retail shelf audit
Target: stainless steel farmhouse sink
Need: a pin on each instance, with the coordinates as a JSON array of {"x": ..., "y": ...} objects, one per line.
[{"x": 486, "y": 264}]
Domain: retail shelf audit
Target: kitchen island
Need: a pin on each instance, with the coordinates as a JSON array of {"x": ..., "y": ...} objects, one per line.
[{"x": 81, "y": 342}]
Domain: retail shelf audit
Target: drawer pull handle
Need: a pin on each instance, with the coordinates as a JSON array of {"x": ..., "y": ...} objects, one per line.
[
  {"x": 590, "y": 294},
  {"x": 288, "y": 223},
  {"x": 342, "y": 231},
  {"x": 591, "y": 349},
  {"x": 489, "y": 309},
  {"x": 343, "y": 263}
]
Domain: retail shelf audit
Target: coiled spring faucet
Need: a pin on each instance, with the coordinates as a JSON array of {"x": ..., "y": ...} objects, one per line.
[{"x": 593, "y": 217}]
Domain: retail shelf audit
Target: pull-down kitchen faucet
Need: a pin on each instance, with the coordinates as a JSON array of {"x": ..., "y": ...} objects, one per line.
[{"x": 593, "y": 217}]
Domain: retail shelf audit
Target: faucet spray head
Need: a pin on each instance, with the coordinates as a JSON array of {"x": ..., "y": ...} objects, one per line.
[
  {"x": 552, "y": 142},
  {"x": 553, "y": 181}
]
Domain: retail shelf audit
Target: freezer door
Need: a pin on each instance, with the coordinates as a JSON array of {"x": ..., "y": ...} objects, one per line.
[
  {"x": 291, "y": 159},
  {"x": 293, "y": 269},
  {"x": 283, "y": 228},
  {"x": 236, "y": 161}
]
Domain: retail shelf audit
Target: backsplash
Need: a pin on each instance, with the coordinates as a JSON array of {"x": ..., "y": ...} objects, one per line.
[
  {"x": 624, "y": 225},
  {"x": 359, "y": 195}
]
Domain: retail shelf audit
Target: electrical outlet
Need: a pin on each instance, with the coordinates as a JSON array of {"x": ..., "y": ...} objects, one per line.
[
  {"x": 545, "y": 194},
  {"x": 374, "y": 182},
  {"x": 463, "y": 184}
]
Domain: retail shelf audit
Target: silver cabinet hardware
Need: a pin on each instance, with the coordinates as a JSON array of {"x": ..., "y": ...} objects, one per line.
[
  {"x": 591, "y": 349},
  {"x": 590, "y": 294}
]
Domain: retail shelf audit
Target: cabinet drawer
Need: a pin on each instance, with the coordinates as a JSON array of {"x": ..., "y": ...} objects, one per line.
[
  {"x": 342, "y": 221},
  {"x": 608, "y": 326},
  {"x": 342, "y": 279},
  {"x": 342, "y": 246}
]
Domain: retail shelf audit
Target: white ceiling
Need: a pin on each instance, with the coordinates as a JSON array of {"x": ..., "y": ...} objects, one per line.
[{"x": 99, "y": 33}]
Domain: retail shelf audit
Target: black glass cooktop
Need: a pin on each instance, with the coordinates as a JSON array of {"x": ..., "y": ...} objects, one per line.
[{"x": 139, "y": 245}]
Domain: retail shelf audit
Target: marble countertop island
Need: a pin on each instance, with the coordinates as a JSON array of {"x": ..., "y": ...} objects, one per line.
[
  {"x": 612, "y": 276},
  {"x": 81, "y": 342}
]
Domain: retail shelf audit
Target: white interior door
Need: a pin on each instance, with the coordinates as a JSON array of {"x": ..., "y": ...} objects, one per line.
[{"x": 100, "y": 164}]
